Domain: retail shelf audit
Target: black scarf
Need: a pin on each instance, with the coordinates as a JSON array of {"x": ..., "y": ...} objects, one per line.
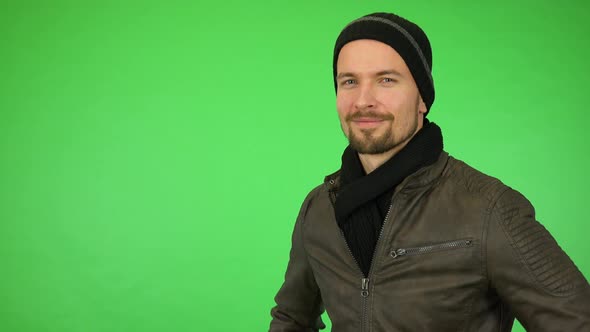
[{"x": 363, "y": 202}]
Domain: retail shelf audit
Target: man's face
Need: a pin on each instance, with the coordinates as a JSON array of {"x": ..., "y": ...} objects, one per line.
[{"x": 378, "y": 102}]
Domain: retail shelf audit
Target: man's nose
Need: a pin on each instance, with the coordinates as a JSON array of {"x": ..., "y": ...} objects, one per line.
[{"x": 365, "y": 98}]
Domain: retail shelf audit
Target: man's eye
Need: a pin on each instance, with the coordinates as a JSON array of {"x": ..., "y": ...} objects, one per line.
[
  {"x": 348, "y": 82},
  {"x": 388, "y": 80}
]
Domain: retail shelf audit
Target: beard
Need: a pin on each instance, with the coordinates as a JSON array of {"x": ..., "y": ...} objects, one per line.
[{"x": 368, "y": 141}]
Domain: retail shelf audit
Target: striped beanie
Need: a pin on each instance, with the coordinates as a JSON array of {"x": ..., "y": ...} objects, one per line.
[{"x": 405, "y": 37}]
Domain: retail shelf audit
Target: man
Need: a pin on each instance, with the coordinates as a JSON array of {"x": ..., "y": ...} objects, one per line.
[{"x": 405, "y": 237}]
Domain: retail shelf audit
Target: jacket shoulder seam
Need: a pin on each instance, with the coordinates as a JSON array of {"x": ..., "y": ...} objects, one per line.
[
  {"x": 576, "y": 279},
  {"x": 485, "y": 230}
]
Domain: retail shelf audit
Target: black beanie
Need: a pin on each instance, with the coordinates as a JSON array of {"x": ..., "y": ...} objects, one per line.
[{"x": 405, "y": 37}]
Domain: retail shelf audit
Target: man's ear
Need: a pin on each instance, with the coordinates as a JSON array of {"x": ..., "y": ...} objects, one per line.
[{"x": 422, "y": 106}]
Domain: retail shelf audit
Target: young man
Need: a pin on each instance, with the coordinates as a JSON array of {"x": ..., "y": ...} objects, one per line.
[{"x": 405, "y": 237}]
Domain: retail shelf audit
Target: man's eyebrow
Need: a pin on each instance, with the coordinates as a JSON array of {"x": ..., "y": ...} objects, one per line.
[
  {"x": 389, "y": 72},
  {"x": 379, "y": 73},
  {"x": 341, "y": 75}
]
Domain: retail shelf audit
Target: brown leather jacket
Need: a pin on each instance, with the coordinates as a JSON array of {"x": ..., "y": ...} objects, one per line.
[{"x": 459, "y": 251}]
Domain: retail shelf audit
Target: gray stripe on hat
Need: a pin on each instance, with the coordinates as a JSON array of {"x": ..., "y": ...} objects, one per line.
[{"x": 404, "y": 32}]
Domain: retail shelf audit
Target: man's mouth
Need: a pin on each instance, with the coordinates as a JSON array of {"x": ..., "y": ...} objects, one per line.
[{"x": 367, "y": 122}]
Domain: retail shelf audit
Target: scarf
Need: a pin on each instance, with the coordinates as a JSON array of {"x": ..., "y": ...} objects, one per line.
[{"x": 364, "y": 200}]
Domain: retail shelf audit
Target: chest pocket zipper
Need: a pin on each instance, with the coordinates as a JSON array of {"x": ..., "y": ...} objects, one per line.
[{"x": 396, "y": 253}]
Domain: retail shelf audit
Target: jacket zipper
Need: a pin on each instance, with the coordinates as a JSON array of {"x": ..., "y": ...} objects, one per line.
[
  {"x": 364, "y": 284},
  {"x": 364, "y": 296},
  {"x": 365, "y": 281},
  {"x": 433, "y": 247}
]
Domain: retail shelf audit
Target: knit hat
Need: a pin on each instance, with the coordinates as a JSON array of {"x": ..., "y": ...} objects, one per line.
[{"x": 405, "y": 37}]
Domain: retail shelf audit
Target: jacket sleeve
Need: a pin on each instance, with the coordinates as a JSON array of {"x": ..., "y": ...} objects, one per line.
[
  {"x": 298, "y": 301},
  {"x": 531, "y": 273}
]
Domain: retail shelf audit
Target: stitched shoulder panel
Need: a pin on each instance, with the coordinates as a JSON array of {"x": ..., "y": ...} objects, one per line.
[
  {"x": 551, "y": 267},
  {"x": 474, "y": 181}
]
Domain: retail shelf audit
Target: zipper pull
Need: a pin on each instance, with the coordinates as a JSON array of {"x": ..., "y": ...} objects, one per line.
[
  {"x": 365, "y": 287},
  {"x": 397, "y": 252}
]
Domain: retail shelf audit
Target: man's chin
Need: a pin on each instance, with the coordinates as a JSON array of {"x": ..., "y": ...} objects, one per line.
[{"x": 370, "y": 148}]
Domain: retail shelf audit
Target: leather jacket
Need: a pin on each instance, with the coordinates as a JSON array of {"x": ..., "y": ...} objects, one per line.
[{"x": 458, "y": 251}]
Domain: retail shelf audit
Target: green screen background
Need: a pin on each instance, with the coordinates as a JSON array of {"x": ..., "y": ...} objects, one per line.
[{"x": 154, "y": 155}]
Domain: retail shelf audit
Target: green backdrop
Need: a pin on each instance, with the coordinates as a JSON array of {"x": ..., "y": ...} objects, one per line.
[{"x": 154, "y": 155}]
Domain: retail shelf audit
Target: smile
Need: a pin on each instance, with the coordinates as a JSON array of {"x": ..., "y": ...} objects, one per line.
[{"x": 367, "y": 122}]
